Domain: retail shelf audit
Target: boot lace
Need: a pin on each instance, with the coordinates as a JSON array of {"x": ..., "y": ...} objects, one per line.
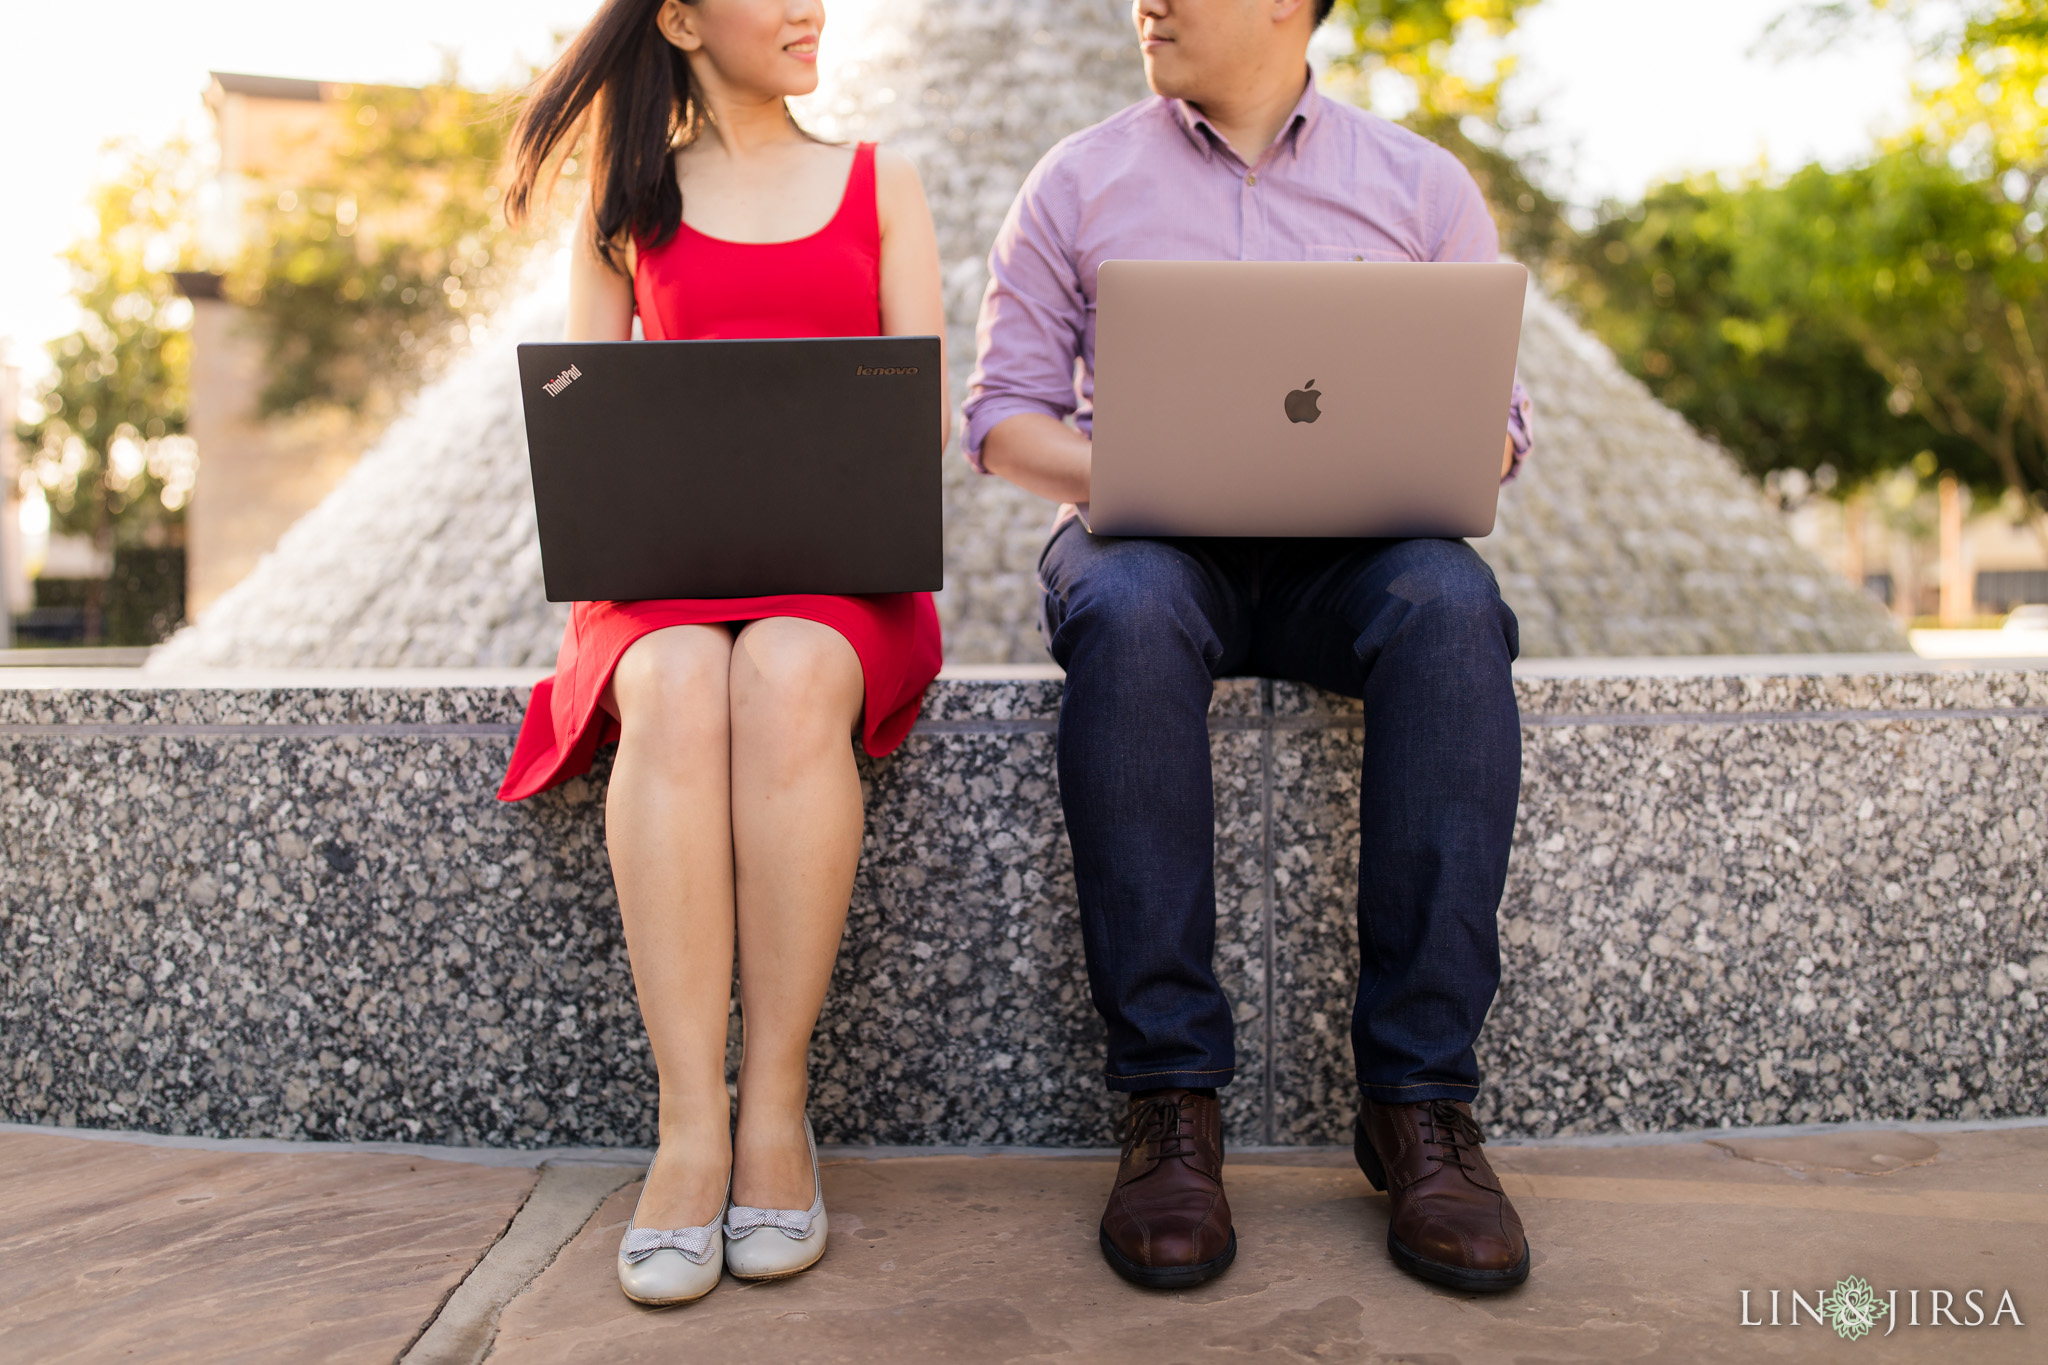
[
  {"x": 1455, "y": 1133},
  {"x": 1159, "y": 1119}
]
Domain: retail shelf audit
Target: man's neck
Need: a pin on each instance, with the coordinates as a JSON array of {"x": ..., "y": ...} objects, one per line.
[{"x": 1252, "y": 119}]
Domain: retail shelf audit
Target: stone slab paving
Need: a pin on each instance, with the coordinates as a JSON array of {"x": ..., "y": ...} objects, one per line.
[
  {"x": 1641, "y": 1254},
  {"x": 119, "y": 1251}
]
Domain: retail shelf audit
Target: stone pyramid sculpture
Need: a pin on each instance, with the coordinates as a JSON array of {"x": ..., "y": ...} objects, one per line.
[{"x": 1628, "y": 535}]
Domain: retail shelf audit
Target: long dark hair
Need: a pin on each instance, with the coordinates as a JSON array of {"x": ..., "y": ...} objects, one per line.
[{"x": 629, "y": 90}]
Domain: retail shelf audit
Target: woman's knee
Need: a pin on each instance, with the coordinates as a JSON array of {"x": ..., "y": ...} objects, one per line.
[
  {"x": 673, "y": 681},
  {"x": 794, "y": 681}
]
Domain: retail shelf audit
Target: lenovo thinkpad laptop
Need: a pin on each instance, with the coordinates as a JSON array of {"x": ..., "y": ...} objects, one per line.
[
  {"x": 735, "y": 468},
  {"x": 1242, "y": 398}
]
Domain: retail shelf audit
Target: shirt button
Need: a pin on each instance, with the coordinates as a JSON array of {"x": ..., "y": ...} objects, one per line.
[{"x": 1252, "y": 179}]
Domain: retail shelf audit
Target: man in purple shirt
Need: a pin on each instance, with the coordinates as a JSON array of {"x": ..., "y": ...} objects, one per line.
[{"x": 1239, "y": 158}]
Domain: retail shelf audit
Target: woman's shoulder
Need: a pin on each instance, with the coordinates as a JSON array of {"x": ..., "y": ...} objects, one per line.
[
  {"x": 899, "y": 193},
  {"x": 895, "y": 175}
]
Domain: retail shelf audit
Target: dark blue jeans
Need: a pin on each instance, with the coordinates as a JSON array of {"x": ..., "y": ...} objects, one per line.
[{"x": 1415, "y": 627}]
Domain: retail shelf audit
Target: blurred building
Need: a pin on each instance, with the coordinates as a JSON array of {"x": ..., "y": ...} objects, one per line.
[
  {"x": 15, "y": 593},
  {"x": 1923, "y": 549},
  {"x": 256, "y": 476},
  {"x": 2007, "y": 564}
]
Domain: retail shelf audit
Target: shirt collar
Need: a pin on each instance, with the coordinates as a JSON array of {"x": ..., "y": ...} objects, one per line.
[{"x": 1308, "y": 112}]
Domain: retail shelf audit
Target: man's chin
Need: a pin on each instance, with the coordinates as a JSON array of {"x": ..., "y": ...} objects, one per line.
[{"x": 1166, "y": 81}]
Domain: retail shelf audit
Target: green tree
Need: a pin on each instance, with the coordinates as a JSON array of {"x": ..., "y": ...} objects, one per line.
[
  {"x": 1418, "y": 40},
  {"x": 1940, "y": 282},
  {"x": 1889, "y": 316},
  {"x": 358, "y": 281},
  {"x": 108, "y": 449},
  {"x": 1755, "y": 311},
  {"x": 1987, "y": 107},
  {"x": 362, "y": 279},
  {"x": 1430, "y": 47}
]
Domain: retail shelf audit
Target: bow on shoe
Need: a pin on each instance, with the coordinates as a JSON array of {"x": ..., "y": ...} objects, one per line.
[
  {"x": 694, "y": 1243},
  {"x": 741, "y": 1221}
]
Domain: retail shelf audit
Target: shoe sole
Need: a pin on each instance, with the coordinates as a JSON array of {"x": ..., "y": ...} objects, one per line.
[
  {"x": 776, "y": 1274},
  {"x": 1457, "y": 1277},
  {"x": 1436, "y": 1272},
  {"x": 665, "y": 1303},
  {"x": 1167, "y": 1276}
]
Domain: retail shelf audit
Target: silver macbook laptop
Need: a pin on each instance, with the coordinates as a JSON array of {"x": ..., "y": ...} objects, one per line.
[{"x": 1253, "y": 398}]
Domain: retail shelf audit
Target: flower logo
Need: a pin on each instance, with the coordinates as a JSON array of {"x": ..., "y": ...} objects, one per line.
[{"x": 1853, "y": 1309}]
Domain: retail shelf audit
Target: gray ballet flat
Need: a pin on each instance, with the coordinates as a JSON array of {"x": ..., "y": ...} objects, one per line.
[
  {"x": 680, "y": 1265},
  {"x": 769, "y": 1244}
]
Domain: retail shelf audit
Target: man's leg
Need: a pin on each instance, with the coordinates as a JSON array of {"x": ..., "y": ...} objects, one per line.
[
  {"x": 1142, "y": 627},
  {"x": 1418, "y": 629}
]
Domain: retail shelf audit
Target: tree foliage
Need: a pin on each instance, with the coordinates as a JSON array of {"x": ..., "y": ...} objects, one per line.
[
  {"x": 107, "y": 449},
  {"x": 1987, "y": 109},
  {"x": 362, "y": 278},
  {"x": 1432, "y": 48},
  {"x": 1419, "y": 39},
  {"x": 1889, "y": 316},
  {"x": 357, "y": 280},
  {"x": 1844, "y": 320}
]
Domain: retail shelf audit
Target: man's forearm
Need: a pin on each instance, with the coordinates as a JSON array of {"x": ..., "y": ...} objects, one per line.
[{"x": 1041, "y": 455}]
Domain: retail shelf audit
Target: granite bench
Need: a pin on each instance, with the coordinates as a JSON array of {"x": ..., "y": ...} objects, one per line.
[{"x": 1742, "y": 892}]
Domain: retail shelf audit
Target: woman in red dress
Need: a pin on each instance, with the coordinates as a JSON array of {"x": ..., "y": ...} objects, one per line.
[{"x": 734, "y": 812}]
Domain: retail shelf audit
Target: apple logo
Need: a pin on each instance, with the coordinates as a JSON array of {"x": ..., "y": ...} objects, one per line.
[{"x": 1301, "y": 404}]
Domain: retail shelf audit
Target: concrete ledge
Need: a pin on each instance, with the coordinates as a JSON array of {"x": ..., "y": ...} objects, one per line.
[
  {"x": 114, "y": 656},
  {"x": 289, "y": 907}
]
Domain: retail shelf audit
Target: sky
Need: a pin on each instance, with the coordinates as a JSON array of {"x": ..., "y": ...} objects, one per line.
[
  {"x": 1633, "y": 91},
  {"x": 1627, "y": 91}
]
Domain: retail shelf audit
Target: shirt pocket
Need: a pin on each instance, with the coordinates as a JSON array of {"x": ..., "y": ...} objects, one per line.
[{"x": 1331, "y": 251}]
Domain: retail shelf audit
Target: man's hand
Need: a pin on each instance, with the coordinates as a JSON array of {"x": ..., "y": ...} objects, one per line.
[
  {"x": 1041, "y": 455},
  {"x": 1507, "y": 460}
]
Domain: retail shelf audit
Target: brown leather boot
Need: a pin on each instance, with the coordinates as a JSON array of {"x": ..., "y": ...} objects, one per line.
[
  {"x": 1452, "y": 1223},
  {"x": 1168, "y": 1225}
]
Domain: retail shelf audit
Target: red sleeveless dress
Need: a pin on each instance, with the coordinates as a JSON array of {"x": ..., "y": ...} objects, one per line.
[{"x": 695, "y": 287}]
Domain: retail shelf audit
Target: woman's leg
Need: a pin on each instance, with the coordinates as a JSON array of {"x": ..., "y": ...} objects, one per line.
[
  {"x": 796, "y": 826},
  {"x": 668, "y": 826}
]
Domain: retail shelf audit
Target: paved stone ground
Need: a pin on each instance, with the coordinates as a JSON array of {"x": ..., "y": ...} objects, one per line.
[
  {"x": 110, "y": 1250},
  {"x": 116, "y": 1251}
]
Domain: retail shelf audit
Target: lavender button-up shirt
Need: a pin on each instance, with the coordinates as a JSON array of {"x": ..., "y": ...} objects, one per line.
[{"x": 1156, "y": 182}]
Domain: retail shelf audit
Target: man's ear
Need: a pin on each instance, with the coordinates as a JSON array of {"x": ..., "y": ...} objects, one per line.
[
  {"x": 1285, "y": 10},
  {"x": 678, "y": 23}
]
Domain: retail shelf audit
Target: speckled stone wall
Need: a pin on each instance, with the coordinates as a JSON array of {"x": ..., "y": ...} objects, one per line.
[{"x": 295, "y": 911}]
